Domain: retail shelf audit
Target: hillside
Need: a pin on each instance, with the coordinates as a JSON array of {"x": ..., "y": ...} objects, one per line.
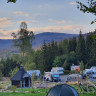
[{"x": 6, "y": 46}]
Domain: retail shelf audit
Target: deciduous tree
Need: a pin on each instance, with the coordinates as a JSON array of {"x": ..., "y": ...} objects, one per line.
[{"x": 23, "y": 39}]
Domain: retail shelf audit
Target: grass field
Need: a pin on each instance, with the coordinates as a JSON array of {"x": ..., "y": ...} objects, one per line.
[
  {"x": 35, "y": 94},
  {"x": 38, "y": 92}
]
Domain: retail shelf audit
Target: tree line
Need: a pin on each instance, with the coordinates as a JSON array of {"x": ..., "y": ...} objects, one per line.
[{"x": 53, "y": 54}]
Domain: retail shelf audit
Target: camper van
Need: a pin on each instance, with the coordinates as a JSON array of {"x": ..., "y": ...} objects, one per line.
[
  {"x": 58, "y": 70},
  {"x": 50, "y": 76}
]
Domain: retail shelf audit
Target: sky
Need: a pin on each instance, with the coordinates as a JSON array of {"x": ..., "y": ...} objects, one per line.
[{"x": 44, "y": 16}]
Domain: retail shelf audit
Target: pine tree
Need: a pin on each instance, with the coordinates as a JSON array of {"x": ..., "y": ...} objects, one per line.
[{"x": 80, "y": 49}]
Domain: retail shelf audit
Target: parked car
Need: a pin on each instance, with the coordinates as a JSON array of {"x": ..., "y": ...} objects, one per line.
[
  {"x": 56, "y": 77},
  {"x": 93, "y": 76},
  {"x": 84, "y": 76},
  {"x": 73, "y": 77}
]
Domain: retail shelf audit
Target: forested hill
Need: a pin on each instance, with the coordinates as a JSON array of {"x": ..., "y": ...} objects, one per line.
[
  {"x": 39, "y": 39},
  {"x": 49, "y": 36}
]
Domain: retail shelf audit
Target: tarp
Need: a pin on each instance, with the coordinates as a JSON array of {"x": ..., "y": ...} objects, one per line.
[{"x": 62, "y": 90}]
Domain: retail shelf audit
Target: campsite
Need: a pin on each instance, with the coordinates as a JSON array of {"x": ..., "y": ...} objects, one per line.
[{"x": 48, "y": 48}]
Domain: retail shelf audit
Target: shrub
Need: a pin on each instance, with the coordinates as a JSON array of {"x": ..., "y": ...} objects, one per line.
[
  {"x": 72, "y": 72},
  {"x": 13, "y": 88},
  {"x": 66, "y": 72}
]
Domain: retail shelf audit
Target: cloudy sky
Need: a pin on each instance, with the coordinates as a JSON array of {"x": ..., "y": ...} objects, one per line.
[{"x": 43, "y": 16}]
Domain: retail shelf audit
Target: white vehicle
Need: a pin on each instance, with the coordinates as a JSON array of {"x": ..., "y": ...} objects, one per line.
[
  {"x": 58, "y": 70},
  {"x": 93, "y": 74},
  {"x": 49, "y": 76},
  {"x": 93, "y": 68}
]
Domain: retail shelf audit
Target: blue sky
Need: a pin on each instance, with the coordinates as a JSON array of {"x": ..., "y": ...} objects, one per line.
[{"x": 44, "y": 16}]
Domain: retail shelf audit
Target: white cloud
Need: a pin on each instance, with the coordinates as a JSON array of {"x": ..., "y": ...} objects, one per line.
[
  {"x": 72, "y": 3},
  {"x": 22, "y": 21},
  {"x": 20, "y": 13},
  {"x": 71, "y": 29},
  {"x": 63, "y": 29},
  {"x": 61, "y": 22},
  {"x": 57, "y": 21},
  {"x": 5, "y": 22},
  {"x": 6, "y": 34}
]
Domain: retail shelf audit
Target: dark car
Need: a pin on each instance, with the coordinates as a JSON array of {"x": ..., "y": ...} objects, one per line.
[
  {"x": 84, "y": 76},
  {"x": 56, "y": 78}
]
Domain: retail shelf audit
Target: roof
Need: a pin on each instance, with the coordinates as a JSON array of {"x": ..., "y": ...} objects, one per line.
[
  {"x": 19, "y": 75},
  {"x": 36, "y": 72},
  {"x": 58, "y": 68}
]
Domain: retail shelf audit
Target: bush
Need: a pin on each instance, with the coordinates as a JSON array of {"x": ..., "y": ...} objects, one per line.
[
  {"x": 72, "y": 72},
  {"x": 66, "y": 72},
  {"x": 32, "y": 90},
  {"x": 0, "y": 75},
  {"x": 13, "y": 88}
]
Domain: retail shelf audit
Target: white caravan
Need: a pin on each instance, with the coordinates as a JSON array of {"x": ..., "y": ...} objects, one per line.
[{"x": 58, "y": 70}]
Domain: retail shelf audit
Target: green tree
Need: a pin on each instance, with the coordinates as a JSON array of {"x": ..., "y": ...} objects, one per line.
[
  {"x": 14, "y": 1},
  {"x": 81, "y": 49},
  {"x": 89, "y": 45},
  {"x": 92, "y": 61},
  {"x": 13, "y": 72},
  {"x": 23, "y": 39},
  {"x": 72, "y": 44},
  {"x": 65, "y": 46},
  {"x": 81, "y": 67},
  {"x": 38, "y": 60},
  {"x": 88, "y": 7},
  {"x": 59, "y": 61},
  {"x": 70, "y": 59}
]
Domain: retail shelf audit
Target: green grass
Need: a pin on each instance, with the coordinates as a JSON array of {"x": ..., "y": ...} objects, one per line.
[
  {"x": 35, "y": 94},
  {"x": 38, "y": 92},
  {"x": 22, "y": 94}
]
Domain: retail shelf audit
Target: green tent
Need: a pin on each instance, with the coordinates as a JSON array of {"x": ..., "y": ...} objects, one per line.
[{"x": 62, "y": 90}]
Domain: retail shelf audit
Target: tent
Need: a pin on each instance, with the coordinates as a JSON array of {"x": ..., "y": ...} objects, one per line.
[{"x": 62, "y": 90}]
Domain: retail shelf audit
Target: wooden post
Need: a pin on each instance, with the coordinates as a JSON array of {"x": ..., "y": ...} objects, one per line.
[
  {"x": 21, "y": 84},
  {"x": 29, "y": 82},
  {"x": 24, "y": 83},
  {"x": 11, "y": 83},
  {"x": 87, "y": 83}
]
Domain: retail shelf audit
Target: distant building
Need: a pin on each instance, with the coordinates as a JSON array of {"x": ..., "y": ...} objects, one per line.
[
  {"x": 35, "y": 73},
  {"x": 74, "y": 67},
  {"x": 21, "y": 79}
]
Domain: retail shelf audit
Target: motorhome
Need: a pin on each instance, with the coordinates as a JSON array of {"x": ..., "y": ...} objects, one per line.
[
  {"x": 58, "y": 70},
  {"x": 91, "y": 72}
]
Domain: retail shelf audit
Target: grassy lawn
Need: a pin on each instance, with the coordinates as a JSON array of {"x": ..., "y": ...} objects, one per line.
[
  {"x": 35, "y": 94},
  {"x": 38, "y": 92}
]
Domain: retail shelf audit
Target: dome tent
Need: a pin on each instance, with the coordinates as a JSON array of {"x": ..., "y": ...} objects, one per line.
[{"x": 62, "y": 90}]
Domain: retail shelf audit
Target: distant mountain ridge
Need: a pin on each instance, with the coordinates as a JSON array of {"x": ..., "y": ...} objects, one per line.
[
  {"x": 49, "y": 36},
  {"x": 39, "y": 39}
]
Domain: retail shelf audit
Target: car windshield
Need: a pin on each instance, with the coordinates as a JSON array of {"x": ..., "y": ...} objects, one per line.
[
  {"x": 56, "y": 75},
  {"x": 60, "y": 71}
]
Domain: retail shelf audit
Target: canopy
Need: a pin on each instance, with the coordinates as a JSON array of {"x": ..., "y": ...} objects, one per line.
[{"x": 62, "y": 90}]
